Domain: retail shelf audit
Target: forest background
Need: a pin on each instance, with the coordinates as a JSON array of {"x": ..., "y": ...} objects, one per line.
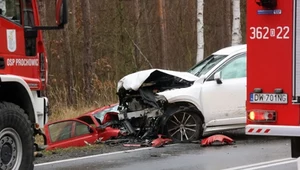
[{"x": 105, "y": 40}]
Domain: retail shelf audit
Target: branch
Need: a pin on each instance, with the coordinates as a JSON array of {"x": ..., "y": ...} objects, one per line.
[{"x": 138, "y": 49}]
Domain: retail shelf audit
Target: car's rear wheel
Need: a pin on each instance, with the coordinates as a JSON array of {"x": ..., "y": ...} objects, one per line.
[{"x": 184, "y": 125}]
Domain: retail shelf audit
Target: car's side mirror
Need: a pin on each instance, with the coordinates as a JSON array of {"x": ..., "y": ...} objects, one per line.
[{"x": 217, "y": 77}]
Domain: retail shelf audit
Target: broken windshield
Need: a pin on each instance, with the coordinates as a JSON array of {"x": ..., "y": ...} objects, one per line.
[
  {"x": 205, "y": 65},
  {"x": 100, "y": 115}
]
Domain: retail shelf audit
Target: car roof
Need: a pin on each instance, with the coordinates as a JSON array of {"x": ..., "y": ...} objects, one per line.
[{"x": 231, "y": 49}]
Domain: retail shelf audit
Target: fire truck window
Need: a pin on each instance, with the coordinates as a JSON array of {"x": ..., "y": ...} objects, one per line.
[
  {"x": 30, "y": 42},
  {"x": 235, "y": 68},
  {"x": 10, "y": 9}
]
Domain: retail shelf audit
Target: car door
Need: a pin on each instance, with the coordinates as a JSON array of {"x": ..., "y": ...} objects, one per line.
[
  {"x": 69, "y": 133},
  {"x": 224, "y": 102}
]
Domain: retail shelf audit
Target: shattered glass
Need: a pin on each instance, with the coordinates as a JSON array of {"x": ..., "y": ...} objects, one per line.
[{"x": 100, "y": 115}]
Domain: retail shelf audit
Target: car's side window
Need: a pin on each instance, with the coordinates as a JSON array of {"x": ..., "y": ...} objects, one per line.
[
  {"x": 81, "y": 129},
  {"x": 235, "y": 68},
  {"x": 60, "y": 131}
]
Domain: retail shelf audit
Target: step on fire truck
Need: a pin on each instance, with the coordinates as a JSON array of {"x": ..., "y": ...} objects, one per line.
[
  {"x": 23, "y": 77},
  {"x": 273, "y": 69}
]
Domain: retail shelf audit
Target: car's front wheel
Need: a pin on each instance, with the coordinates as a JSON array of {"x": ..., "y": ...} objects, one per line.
[{"x": 184, "y": 125}]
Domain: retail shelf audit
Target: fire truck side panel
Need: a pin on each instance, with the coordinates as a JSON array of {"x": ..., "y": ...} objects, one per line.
[{"x": 270, "y": 62}]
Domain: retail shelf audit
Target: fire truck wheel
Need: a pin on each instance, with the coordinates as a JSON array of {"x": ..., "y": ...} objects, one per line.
[
  {"x": 183, "y": 124},
  {"x": 16, "y": 138}
]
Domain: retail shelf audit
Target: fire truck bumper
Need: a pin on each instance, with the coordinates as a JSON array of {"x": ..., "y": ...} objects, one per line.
[{"x": 272, "y": 130}]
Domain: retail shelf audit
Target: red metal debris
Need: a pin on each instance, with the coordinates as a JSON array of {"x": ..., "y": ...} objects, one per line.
[
  {"x": 219, "y": 139},
  {"x": 159, "y": 142}
]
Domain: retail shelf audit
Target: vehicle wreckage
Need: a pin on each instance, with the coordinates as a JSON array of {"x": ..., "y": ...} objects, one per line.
[
  {"x": 139, "y": 115},
  {"x": 145, "y": 111},
  {"x": 182, "y": 106}
]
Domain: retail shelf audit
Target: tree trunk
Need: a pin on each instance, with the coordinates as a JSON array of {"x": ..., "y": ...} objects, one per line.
[
  {"x": 87, "y": 56},
  {"x": 227, "y": 24},
  {"x": 200, "y": 31},
  {"x": 148, "y": 37},
  {"x": 69, "y": 67},
  {"x": 73, "y": 16},
  {"x": 163, "y": 29},
  {"x": 236, "y": 23},
  {"x": 138, "y": 35}
]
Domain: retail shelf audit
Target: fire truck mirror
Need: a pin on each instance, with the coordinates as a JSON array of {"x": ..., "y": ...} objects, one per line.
[
  {"x": 61, "y": 13},
  {"x": 268, "y": 4}
]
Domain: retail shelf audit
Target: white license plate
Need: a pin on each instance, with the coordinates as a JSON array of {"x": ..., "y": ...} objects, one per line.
[{"x": 268, "y": 98}]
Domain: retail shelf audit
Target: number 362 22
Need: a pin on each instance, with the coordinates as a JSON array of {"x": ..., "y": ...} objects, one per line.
[{"x": 280, "y": 32}]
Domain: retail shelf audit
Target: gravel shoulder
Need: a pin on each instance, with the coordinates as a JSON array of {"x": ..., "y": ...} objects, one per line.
[{"x": 61, "y": 154}]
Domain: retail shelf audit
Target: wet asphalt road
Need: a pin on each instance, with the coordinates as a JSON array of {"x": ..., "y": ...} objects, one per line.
[{"x": 247, "y": 150}]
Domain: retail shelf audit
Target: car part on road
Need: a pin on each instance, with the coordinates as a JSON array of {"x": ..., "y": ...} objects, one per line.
[
  {"x": 160, "y": 141},
  {"x": 217, "y": 140}
]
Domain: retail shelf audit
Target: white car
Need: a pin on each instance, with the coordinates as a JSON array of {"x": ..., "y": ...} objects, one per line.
[{"x": 185, "y": 105}]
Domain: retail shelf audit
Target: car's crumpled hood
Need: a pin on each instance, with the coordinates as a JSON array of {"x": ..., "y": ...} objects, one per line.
[{"x": 135, "y": 80}]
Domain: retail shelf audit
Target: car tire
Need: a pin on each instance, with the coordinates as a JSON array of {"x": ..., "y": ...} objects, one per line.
[
  {"x": 16, "y": 138},
  {"x": 183, "y": 124}
]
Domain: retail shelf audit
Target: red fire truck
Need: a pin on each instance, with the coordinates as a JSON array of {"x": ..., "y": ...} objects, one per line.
[
  {"x": 23, "y": 77},
  {"x": 273, "y": 69}
]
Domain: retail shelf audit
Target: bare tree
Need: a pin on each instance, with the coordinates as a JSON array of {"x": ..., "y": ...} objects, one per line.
[
  {"x": 87, "y": 56},
  {"x": 236, "y": 23},
  {"x": 163, "y": 29},
  {"x": 200, "y": 31},
  {"x": 227, "y": 23},
  {"x": 138, "y": 34},
  {"x": 68, "y": 58}
]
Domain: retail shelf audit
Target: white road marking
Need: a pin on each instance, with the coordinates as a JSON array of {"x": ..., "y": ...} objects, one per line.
[
  {"x": 260, "y": 164},
  {"x": 271, "y": 165},
  {"x": 99, "y": 155}
]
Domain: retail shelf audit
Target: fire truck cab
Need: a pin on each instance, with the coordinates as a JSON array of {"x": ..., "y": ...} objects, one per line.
[
  {"x": 23, "y": 77},
  {"x": 273, "y": 69}
]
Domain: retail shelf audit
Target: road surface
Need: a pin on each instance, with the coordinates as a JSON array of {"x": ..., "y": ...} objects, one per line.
[{"x": 247, "y": 153}]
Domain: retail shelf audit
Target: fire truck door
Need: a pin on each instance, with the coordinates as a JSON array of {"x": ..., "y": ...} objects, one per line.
[{"x": 11, "y": 30}]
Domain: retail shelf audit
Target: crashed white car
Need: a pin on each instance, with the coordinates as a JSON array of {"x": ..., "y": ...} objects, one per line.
[{"x": 184, "y": 105}]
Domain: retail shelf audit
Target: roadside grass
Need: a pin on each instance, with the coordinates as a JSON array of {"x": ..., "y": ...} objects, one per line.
[
  {"x": 72, "y": 149},
  {"x": 66, "y": 112}
]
